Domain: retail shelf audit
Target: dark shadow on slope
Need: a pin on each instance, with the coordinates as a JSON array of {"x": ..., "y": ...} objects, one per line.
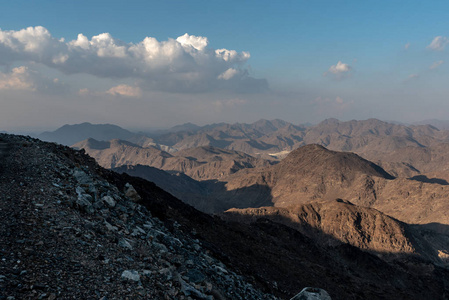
[
  {"x": 424, "y": 178},
  {"x": 210, "y": 196},
  {"x": 256, "y": 195},
  {"x": 430, "y": 241},
  {"x": 435, "y": 227}
]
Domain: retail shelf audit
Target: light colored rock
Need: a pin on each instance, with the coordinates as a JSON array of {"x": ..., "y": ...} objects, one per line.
[
  {"x": 131, "y": 275},
  {"x": 124, "y": 243},
  {"x": 131, "y": 193},
  {"x": 311, "y": 293},
  {"x": 82, "y": 177},
  {"x": 109, "y": 201}
]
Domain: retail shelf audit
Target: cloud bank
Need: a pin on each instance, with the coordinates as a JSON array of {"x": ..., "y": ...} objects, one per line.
[{"x": 184, "y": 64}]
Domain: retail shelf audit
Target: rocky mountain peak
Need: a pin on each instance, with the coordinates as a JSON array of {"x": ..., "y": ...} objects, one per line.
[{"x": 316, "y": 159}]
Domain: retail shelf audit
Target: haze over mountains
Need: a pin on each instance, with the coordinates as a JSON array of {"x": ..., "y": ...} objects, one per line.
[{"x": 397, "y": 148}]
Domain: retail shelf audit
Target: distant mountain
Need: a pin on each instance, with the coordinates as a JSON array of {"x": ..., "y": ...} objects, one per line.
[
  {"x": 370, "y": 138},
  {"x": 309, "y": 173},
  {"x": 71, "y": 134},
  {"x": 202, "y": 163},
  {"x": 415, "y": 151},
  {"x": 260, "y": 138},
  {"x": 184, "y": 127},
  {"x": 313, "y": 173},
  {"x": 440, "y": 124},
  {"x": 431, "y": 161},
  {"x": 188, "y": 127},
  {"x": 115, "y": 153}
]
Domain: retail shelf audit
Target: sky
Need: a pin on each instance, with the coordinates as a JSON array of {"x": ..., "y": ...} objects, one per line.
[{"x": 155, "y": 64}]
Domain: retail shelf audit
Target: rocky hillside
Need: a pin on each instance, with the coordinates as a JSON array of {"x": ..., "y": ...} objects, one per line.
[
  {"x": 202, "y": 163},
  {"x": 75, "y": 230},
  {"x": 342, "y": 222},
  {"x": 313, "y": 173},
  {"x": 308, "y": 174}
]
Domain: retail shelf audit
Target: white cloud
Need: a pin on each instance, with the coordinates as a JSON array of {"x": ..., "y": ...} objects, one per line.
[
  {"x": 197, "y": 42},
  {"x": 340, "y": 68},
  {"x": 436, "y": 64},
  {"x": 228, "y": 74},
  {"x": 183, "y": 64},
  {"x": 81, "y": 42},
  {"x": 125, "y": 91},
  {"x": 231, "y": 55},
  {"x": 339, "y": 71},
  {"x": 438, "y": 43}
]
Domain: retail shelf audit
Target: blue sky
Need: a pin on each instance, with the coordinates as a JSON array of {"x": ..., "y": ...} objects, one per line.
[{"x": 302, "y": 61}]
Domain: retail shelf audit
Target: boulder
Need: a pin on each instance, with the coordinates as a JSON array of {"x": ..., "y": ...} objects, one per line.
[{"x": 311, "y": 293}]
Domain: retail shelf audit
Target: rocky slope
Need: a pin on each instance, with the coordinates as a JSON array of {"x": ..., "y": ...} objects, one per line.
[
  {"x": 75, "y": 230},
  {"x": 340, "y": 221},
  {"x": 69, "y": 233}
]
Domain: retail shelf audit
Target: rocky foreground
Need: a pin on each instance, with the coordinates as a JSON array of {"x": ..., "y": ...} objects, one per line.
[
  {"x": 67, "y": 233},
  {"x": 73, "y": 230}
]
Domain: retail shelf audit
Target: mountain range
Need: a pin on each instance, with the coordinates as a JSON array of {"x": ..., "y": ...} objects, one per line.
[
  {"x": 367, "y": 196},
  {"x": 73, "y": 227}
]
